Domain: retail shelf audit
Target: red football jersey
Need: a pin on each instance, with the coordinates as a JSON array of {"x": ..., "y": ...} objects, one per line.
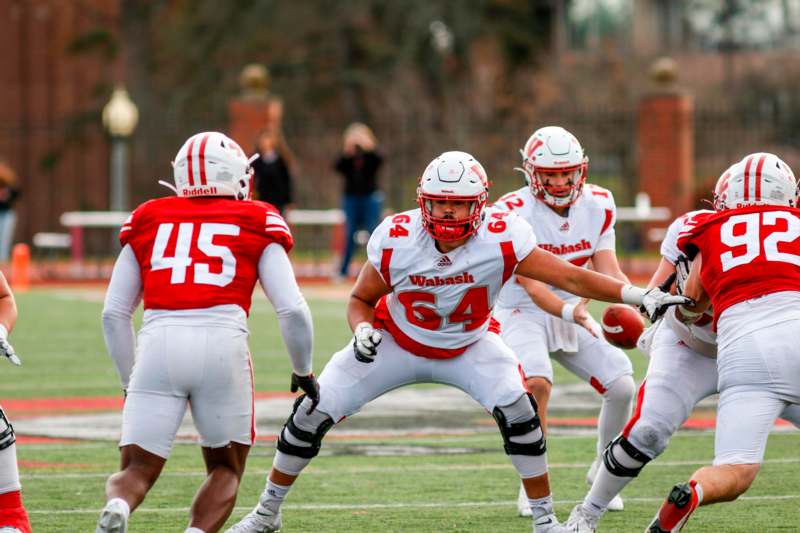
[
  {"x": 196, "y": 253},
  {"x": 747, "y": 252}
]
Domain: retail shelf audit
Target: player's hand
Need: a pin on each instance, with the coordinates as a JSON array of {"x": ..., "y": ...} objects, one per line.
[
  {"x": 655, "y": 302},
  {"x": 7, "y": 350},
  {"x": 583, "y": 318},
  {"x": 365, "y": 342},
  {"x": 682, "y": 268},
  {"x": 309, "y": 385}
]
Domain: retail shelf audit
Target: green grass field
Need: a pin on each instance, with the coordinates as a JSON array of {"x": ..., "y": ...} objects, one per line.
[{"x": 449, "y": 483}]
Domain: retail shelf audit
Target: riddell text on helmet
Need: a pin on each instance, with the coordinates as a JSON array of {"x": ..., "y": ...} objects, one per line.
[{"x": 199, "y": 191}]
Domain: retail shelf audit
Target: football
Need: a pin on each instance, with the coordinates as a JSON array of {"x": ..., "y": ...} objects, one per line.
[{"x": 622, "y": 325}]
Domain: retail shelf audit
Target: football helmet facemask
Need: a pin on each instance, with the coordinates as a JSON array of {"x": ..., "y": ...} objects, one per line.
[
  {"x": 212, "y": 164},
  {"x": 454, "y": 176},
  {"x": 550, "y": 151},
  {"x": 758, "y": 179}
]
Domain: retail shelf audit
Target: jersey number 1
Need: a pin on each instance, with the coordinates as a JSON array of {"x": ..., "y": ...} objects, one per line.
[{"x": 182, "y": 259}]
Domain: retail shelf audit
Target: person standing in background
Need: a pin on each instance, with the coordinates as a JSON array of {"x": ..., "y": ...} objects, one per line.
[
  {"x": 8, "y": 218},
  {"x": 359, "y": 164},
  {"x": 273, "y": 170}
]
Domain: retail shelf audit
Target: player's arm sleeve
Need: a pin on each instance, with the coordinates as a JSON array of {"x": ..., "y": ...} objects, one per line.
[
  {"x": 376, "y": 249},
  {"x": 669, "y": 246},
  {"x": 522, "y": 236},
  {"x": 608, "y": 235},
  {"x": 294, "y": 318},
  {"x": 122, "y": 298}
]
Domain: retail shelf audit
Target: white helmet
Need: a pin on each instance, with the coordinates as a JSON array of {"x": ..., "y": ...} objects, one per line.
[
  {"x": 758, "y": 179},
  {"x": 212, "y": 164},
  {"x": 554, "y": 149},
  {"x": 453, "y": 176}
]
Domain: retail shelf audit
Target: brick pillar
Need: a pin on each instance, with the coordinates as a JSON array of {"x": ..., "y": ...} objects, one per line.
[
  {"x": 666, "y": 152},
  {"x": 255, "y": 109},
  {"x": 246, "y": 117}
]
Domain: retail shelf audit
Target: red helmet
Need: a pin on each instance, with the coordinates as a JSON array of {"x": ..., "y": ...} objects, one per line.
[{"x": 453, "y": 176}]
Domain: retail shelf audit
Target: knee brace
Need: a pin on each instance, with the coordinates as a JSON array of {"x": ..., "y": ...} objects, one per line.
[
  {"x": 623, "y": 459},
  {"x": 7, "y": 437},
  {"x": 520, "y": 427},
  {"x": 302, "y": 434}
]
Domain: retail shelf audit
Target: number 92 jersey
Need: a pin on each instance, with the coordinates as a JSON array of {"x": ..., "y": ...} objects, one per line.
[
  {"x": 442, "y": 302},
  {"x": 196, "y": 253},
  {"x": 747, "y": 253}
]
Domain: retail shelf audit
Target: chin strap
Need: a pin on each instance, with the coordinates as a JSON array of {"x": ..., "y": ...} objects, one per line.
[{"x": 168, "y": 186}]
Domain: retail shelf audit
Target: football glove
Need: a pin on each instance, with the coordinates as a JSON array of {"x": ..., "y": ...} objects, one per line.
[
  {"x": 6, "y": 349},
  {"x": 653, "y": 302},
  {"x": 309, "y": 385},
  {"x": 682, "y": 268},
  {"x": 365, "y": 342}
]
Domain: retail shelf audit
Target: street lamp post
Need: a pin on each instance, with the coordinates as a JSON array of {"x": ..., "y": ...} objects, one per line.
[{"x": 120, "y": 117}]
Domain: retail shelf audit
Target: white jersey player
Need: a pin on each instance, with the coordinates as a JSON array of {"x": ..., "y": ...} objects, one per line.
[
  {"x": 682, "y": 371},
  {"x": 575, "y": 222},
  {"x": 13, "y": 517},
  {"x": 421, "y": 312},
  {"x": 194, "y": 260}
]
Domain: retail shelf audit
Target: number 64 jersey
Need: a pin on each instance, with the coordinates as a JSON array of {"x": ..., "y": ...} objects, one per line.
[
  {"x": 196, "y": 253},
  {"x": 441, "y": 303}
]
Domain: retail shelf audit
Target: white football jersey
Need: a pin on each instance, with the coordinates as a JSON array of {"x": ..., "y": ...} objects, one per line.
[
  {"x": 588, "y": 227},
  {"x": 442, "y": 303},
  {"x": 703, "y": 329}
]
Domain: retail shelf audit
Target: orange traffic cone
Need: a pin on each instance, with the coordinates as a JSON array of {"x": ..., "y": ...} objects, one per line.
[{"x": 20, "y": 267}]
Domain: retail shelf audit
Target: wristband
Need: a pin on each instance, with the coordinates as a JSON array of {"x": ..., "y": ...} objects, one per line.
[
  {"x": 568, "y": 312},
  {"x": 632, "y": 295}
]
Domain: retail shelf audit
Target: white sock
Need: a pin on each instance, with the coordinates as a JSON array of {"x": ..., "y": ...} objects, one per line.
[
  {"x": 273, "y": 495},
  {"x": 119, "y": 501},
  {"x": 606, "y": 485},
  {"x": 615, "y": 411},
  {"x": 541, "y": 506},
  {"x": 194, "y": 530}
]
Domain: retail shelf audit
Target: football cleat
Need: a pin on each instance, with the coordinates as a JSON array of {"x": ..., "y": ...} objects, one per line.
[
  {"x": 616, "y": 504},
  {"x": 259, "y": 520},
  {"x": 676, "y": 510},
  {"x": 548, "y": 524},
  {"x": 113, "y": 519},
  {"x": 523, "y": 505},
  {"x": 9, "y": 529},
  {"x": 580, "y": 521}
]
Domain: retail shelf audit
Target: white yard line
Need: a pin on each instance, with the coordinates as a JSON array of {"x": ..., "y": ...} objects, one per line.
[
  {"x": 393, "y": 469},
  {"x": 409, "y": 505}
]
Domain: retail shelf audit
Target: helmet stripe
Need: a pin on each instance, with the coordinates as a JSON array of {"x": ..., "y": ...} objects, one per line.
[
  {"x": 201, "y": 155},
  {"x": 758, "y": 175},
  {"x": 189, "y": 161},
  {"x": 747, "y": 178}
]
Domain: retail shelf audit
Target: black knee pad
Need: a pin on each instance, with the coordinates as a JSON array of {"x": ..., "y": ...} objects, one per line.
[
  {"x": 614, "y": 465},
  {"x": 7, "y": 437},
  {"x": 517, "y": 429},
  {"x": 313, "y": 438}
]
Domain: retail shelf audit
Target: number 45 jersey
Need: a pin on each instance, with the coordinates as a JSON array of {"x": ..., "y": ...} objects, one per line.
[
  {"x": 196, "y": 253},
  {"x": 746, "y": 252},
  {"x": 442, "y": 302}
]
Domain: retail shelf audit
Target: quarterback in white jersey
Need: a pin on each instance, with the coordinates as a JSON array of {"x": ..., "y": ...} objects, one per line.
[
  {"x": 576, "y": 223},
  {"x": 421, "y": 312}
]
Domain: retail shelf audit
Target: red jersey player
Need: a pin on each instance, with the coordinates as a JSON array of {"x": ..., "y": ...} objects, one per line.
[
  {"x": 747, "y": 265},
  {"x": 194, "y": 260}
]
